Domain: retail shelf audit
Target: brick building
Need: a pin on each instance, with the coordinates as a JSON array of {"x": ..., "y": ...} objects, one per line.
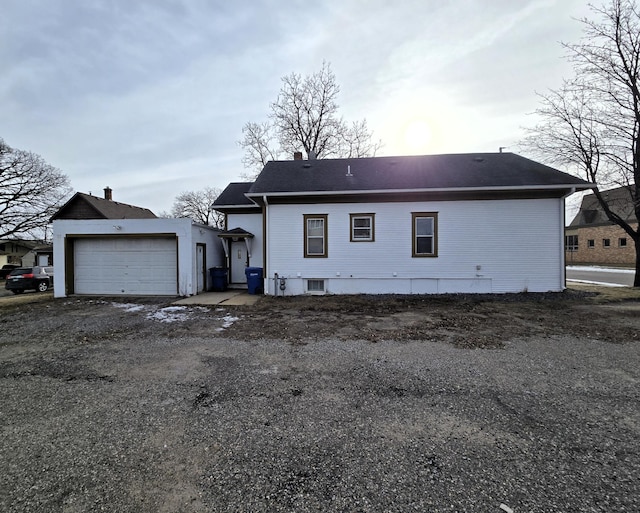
[{"x": 592, "y": 239}]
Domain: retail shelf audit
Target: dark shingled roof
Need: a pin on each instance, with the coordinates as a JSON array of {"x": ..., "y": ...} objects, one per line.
[
  {"x": 85, "y": 206},
  {"x": 619, "y": 200},
  {"x": 234, "y": 194},
  {"x": 455, "y": 171}
]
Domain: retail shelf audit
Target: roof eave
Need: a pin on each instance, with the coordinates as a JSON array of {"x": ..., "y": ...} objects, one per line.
[{"x": 567, "y": 187}]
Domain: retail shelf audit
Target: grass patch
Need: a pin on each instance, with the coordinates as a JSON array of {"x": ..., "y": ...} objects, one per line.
[{"x": 607, "y": 294}]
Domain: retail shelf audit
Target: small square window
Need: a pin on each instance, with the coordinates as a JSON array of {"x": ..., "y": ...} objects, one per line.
[
  {"x": 315, "y": 285},
  {"x": 362, "y": 227},
  {"x": 622, "y": 242},
  {"x": 591, "y": 243},
  {"x": 606, "y": 243}
]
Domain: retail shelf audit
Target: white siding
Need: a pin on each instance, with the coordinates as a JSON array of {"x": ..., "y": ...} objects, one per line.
[
  {"x": 251, "y": 223},
  {"x": 483, "y": 246},
  {"x": 186, "y": 233},
  {"x": 125, "y": 266}
]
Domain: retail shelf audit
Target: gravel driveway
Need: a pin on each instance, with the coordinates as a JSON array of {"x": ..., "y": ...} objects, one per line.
[{"x": 138, "y": 406}]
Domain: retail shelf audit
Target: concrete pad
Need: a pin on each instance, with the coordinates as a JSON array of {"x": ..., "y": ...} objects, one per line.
[{"x": 228, "y": 297}]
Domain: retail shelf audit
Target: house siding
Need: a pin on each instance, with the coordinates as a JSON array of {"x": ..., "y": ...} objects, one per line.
[
  {"x": 483, "y": 246},
  {"x": 599, "y": 254},
  {"x": 186, "y": 233},
  {"x": 252, "y": 223}
]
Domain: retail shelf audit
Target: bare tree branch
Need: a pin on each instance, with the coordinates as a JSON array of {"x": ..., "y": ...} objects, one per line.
[
  {"x": 198, "y": 206},
  {"x": 31, "y": 191},
  {"x": 592, "y": 123},
  {"x": 305, "y": 117}
]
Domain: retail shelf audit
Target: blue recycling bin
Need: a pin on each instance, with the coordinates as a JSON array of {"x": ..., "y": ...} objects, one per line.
[
  {"x": 255, "y": 284},
  {"x": 218, "y": 279}
]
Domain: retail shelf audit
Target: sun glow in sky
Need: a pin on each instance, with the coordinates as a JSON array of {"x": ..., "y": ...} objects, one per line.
[
  {"x": 417, "y": 137},
  {"x": 149, "y": 97}
]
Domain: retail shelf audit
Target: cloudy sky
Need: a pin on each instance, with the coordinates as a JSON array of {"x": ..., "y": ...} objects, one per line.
[{"x": 149, "y": 96}]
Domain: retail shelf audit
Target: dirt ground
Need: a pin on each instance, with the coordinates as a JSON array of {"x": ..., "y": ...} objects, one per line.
[
  {"x": 465, "y": 321},
  {"x": 462, "y": 320},
  {"x": 334, "y": 403}
]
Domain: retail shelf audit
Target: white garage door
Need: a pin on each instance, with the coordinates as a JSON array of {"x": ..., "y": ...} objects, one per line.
[{"x": 146, "y": 266}]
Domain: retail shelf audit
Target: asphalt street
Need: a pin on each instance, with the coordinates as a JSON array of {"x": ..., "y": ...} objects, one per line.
[{"x": 621, "y": 277}]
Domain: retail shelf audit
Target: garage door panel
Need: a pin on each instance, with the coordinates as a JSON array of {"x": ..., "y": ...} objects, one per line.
[{"x": 125, "y": 266}]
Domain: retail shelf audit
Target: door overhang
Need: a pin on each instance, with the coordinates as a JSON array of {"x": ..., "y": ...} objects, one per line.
[{"x": 236, "y": 235}]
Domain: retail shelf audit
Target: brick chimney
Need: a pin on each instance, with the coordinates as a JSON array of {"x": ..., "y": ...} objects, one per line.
[
  {"x": 297, "y": 155},
  {"x": 107, "y": 193}
]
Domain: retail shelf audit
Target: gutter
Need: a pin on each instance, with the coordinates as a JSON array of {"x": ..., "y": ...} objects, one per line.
[{"x": 572, "y": 187}]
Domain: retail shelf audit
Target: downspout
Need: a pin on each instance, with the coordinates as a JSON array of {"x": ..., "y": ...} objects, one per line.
[
  {"x": 563, "y": 266},
  {"x": 265, "y": 239}
]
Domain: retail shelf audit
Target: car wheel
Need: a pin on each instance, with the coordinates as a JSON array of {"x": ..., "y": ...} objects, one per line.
[
  {"x": 43, "y": 286},
  {"x": 18, "y": 291}
]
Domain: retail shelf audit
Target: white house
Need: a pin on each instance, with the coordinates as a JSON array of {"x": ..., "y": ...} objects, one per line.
[
  {"x": 108, "y": 248},
  {"x": 489, "y": 222}
]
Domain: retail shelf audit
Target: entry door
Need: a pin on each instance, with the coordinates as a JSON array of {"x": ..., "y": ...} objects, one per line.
[
  {"x": 238, "y": 261},
  {"x": 201, "y": 268}
]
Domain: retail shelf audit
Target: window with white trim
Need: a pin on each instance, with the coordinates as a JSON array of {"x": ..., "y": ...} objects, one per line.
[
  {"x": 362, "y": 227},
  {"x": 571, "y": 242},
  {"x": 425, "y": 234},
  {"x": 315, "y": 235},
  {"x": 315, "y": 285}
]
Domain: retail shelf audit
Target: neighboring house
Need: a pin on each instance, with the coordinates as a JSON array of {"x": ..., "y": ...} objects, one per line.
[
  {"x": 592, "y": 239},
  {"x": 489, "y": 222},
  {"x": 108, "y": 248},
  {"x": 41, "y": 254},
  {"x": 14, "y": 251},
  {"x": 87, "y": 206}
]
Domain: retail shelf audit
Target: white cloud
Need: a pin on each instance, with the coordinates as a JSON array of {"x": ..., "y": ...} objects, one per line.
[{"x": 149, "y": 97}]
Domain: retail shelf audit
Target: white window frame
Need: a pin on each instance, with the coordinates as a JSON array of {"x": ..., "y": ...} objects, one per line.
[
  {"x": 354, "y": 229},
  {"x": 415, "y": 216},
  {"x": 324, "y": 237},
  {"x": 315, "y": 281}
]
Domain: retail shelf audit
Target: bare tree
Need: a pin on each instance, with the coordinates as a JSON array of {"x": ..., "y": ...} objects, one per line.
[
  {"x": 305, "y": 117},
  {"x": 31, "y": 191},
  {"x": 198, "y": 206},
  {"x": 592, "y": 122}
]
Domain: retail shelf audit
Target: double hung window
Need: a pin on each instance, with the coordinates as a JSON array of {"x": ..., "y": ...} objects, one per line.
[
  {"x": 425, "y": 234},
  {"x": 315, "y": 235}
]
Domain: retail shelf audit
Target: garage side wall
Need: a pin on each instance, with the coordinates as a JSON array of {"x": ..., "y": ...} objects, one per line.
[
  {"x": 214, "y": 254},
  {"x": 66, "y": 231}
]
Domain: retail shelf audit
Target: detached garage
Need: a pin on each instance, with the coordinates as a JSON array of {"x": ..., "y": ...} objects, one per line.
[{"x": 143, "y": 255}]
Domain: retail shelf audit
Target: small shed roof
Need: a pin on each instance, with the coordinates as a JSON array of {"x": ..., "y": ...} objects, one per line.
[{"x": 234, "y": 195}]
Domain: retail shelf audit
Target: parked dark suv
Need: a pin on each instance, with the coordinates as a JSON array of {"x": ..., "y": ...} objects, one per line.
[{"x": 30, "y": 278}]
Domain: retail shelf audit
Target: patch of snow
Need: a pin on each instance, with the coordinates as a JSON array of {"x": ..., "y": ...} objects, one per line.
[
  {"x": 600, "y": 269},
  {"x": 170, "y": 314},
  {"x": 587, "y": 282},
  {"x": 229, "y": 320},
  {"x": 128, "y": 307}
]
